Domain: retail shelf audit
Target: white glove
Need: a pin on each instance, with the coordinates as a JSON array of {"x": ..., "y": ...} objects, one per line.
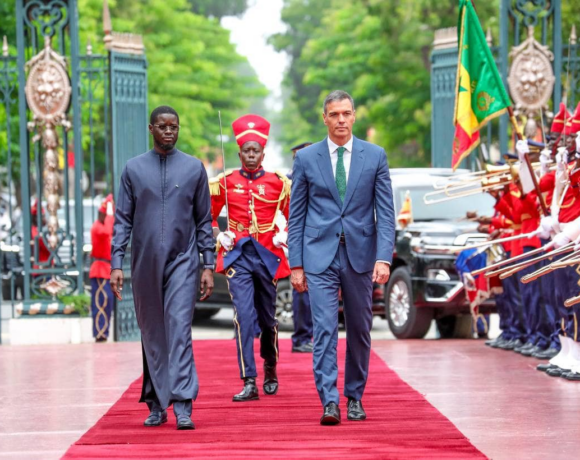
[
  {"x": 577, "y": 141},
  {"x": 577, "y": 244},
  {"x": 562, "y": 159},
  {"x": 280, "y": 239},
  {"x": 522, "y": 148},
  {"x": 546, "y": 227},
  {"x": 561, "y": 239},
  {"x": 226, "y": 240},
  {"x": 545, "y": 161}
]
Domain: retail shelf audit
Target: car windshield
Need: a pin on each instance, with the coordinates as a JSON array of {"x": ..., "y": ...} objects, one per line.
[{"x": 482, "y": 203}]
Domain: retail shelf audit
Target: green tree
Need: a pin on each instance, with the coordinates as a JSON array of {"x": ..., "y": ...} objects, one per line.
[
  {"x": 379, "y": 52},
  {"x": 219, "y": 8}
]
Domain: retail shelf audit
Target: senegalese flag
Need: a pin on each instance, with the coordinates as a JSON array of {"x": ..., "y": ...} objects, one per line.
[{"x": 480, "y": 93}]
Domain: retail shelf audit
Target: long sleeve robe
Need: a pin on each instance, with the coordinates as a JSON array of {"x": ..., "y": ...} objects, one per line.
[{"x": 164, "y": 205}]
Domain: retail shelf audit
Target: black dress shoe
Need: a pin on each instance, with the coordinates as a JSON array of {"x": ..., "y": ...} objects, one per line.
[
  {"x": 526, "y": 346},
  {"x": 497, "y": 342},
  {"x": 331, "y": 415},
  {"x": 546, "y": 354},
  {"x": 355, "y": 410},
  {"x": 270, "y": 379},
  {"x": 156, "y": 418},
  {"x": 511, "y": 344},
  {"x": 307, "y": 347},
  {"x": 249, "y": 392},
  {"x": 184, "y": 423},
  {"x": 545, "y": 367},
  {"x": 556, "y": 371},
  {"x": 573, "y": 376},
  {"x": 531, "y": 351}
]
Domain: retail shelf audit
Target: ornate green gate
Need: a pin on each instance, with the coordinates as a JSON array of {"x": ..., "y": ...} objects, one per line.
[
  {"x": 130, "y": 138},
  {"x": 515, "y": 18},
  {"x": 70, "y": 122}
]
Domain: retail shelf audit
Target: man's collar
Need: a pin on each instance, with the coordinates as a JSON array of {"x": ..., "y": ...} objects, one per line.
[
  {"x": 332, "y": 146},
  {"x": 252, "y": 175}
]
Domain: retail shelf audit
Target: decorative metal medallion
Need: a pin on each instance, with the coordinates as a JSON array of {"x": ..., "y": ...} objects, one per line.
[
  {"x": 531, "y": 78},
  {"x": 48, "y": 93}
]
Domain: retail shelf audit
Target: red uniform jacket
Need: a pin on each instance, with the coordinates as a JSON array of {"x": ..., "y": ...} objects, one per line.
[
  {"x": 101, "y": 236},
  {"x": 254, "y": 199},
  {"x": 570, "y": 207}
]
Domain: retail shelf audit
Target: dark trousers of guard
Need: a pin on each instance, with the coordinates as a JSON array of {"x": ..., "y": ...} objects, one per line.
[
  {"x": 101, "y": 307},
  {"x": 566, "y": 286},
  {"x": 549, "y": 326},
  {"x": 254, "y": 295},
  {"x": 302, "y": 316},
  {"x": 513, "y": 302},
  {"x": 532, "y": 305}
]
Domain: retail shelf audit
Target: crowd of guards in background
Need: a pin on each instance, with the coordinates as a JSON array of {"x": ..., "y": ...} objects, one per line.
[{"x": 538, "y": 280}]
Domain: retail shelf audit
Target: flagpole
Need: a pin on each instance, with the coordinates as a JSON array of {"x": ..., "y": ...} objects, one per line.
[{"x": 520, "y": 136}]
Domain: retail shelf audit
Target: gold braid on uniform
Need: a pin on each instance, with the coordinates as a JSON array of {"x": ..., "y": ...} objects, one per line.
[
  {"x": 215, "y": 183},
  {"x": 281, "y": 201}
]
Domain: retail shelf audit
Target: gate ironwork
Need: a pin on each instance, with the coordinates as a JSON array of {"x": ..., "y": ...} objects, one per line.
[
  {"x": 130, "y": 138},
  {"x": 515, "y": 18},
  {"x": 44, "y": 258}
]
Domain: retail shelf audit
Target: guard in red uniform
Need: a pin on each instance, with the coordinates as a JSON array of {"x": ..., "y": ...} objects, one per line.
[
  {"x": 100, "y": 273},
  {"x": 36, "y": 237},
  {"x": 250, "y": 252}
]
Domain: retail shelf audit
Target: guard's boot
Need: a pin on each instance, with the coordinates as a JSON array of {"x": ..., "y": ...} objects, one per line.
[
  {"x": 249, "y": 392},
  {"x": 270, "y": 379}
]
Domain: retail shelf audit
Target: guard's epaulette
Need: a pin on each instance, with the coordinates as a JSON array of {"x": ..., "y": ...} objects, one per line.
[
  {"x": 287, "y": 184},
  {"x": 215, "y": 182}
]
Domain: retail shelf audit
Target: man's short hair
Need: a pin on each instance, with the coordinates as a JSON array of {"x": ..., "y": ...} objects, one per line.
[
  {"x": 162, "y": 109},
  {"x": 337, "y": 95}
]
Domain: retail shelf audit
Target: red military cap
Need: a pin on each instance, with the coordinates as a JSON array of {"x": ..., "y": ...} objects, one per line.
[
  {"x": 560, "y": 118},
  {"x": 103, "y": 207},
  {"x": 34, "y": 208},
  {"x": 573, "y": 124},
  {"x": 251, "y": 128}
]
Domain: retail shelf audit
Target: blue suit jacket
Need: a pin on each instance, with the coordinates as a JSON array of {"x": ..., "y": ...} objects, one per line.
[{"x": 317, "y": 216}]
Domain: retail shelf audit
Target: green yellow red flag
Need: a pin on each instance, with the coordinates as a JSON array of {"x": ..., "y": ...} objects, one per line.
[{"x": 480, "y": 94}]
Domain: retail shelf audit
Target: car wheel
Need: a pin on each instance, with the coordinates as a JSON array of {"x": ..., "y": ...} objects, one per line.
[
  {"x": 455, "y": 327},
  {"x": 406, "y": 321},
  {"x": 284, "y": 312},
  {"x": 205, "y": 313}
]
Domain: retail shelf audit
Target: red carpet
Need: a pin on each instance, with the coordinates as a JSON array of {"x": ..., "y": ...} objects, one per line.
[{"x": 401, "y": 423}]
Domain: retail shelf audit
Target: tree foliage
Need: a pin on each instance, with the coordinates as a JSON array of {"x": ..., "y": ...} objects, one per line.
[
  {"x": 219, "y": 8},
  {"x": 377, "y": 50}
]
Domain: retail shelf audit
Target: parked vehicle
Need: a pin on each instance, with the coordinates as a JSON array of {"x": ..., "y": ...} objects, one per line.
[{"x": 424, "y": 284}]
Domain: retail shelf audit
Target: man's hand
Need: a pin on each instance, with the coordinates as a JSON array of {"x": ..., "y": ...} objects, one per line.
[
  {"x": 206, "y": 284},
  {"x": 226, "y": 239},
  {"x": 381, "y": 273},
  {"x": 117, "y": 283},
  {"x": 298, "y": 280}
]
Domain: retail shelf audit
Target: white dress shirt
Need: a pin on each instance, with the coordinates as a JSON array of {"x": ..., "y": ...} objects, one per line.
[{"x": 346, "y": 156}]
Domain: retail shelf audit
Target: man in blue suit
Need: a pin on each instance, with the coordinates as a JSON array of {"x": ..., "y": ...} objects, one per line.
[{"x": 341, "y": 236}]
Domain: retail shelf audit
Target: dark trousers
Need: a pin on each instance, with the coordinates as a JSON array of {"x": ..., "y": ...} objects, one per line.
[
  {"x": 357, "y": 290},
  {"x": 253, "y": 294},
  {"x": 532, "y": 305},
  {"x": 566, "y": 286},
  {"x": 302, "y": 316},
  {"x": 513, "y": 302},
  {"x": 503, "y": 311},
  {"x": 549, "y": 327},
  {"x": 101, "y": 307}
]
